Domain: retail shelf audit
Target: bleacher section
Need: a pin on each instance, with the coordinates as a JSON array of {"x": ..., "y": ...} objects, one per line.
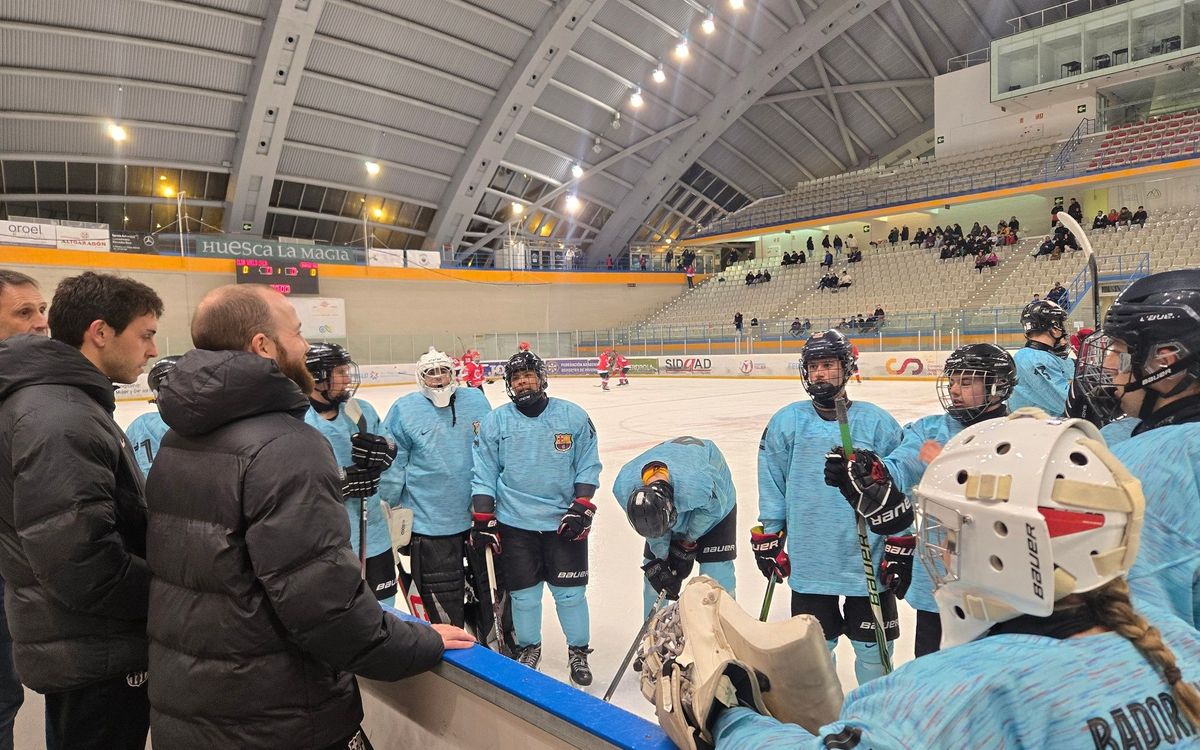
[{"x": 1166, "y": 137}]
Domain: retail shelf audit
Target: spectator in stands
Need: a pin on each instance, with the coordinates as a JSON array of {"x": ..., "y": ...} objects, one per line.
[
  {"x": 976, "y": 230},
  {"x": 749, "y": 278},
  {"x": 852, "y": 324},
  {"x": 642, "y": 262},
  {"x": 844, "y": 281},
  {"x": 1112, "y": 217},
  {"x": 947, "y": 252},
  {"x": 1045, "y": 248},
  {"x": 786, "y": 260},
  {"x": 766, "y": 276},
  {"x": 855, "y": 256},
  {"x": 737, "y": 321},
  {"x": 825, "y": 241},
  {"x": 980, "y": 260},
  {"x": 807, "y": 324},
  {"x": 797, "y": 328},
  {"x": 1013, "y": 225},
  {"x": 801, "y": 258},
  {"x": 904, "y": 233},
  {"x": 828, "y": 262},
  {"x": 1075, "y": 211},
  {"x": 1139, "y": 216},
  {"x": 919, "y": 238},
  {"x": 893, "y": 236},
  {"x": 851, "y": 243},
  {"x": 879, "y": 312},
  {"x": 1054, "y": 214},
  {"x": 958, "y": 232},
  {"x": 1125, "y": 218},
  {"x": 843, "y": 326},
  {"x": 809, "y": 244},
  {"x": 837, "y": 243},
  {"x": 690, "y": 271},
  {"x": 608, "y": 262},
  {"x": 861, "y": 321},
  {"x": 1058, "y": 295},
  {"x": 1036, "y": 297},
  {"x": 753, "y": 323},
  {"x": 669, "y": 258},
  {"x": 1100, "y": 222}
]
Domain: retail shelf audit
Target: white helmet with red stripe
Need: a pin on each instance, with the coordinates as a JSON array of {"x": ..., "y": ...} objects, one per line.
[{"x": 1018, "y": 513}]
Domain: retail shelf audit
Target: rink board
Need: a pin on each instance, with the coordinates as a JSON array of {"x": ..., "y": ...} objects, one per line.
[{"x": 479, "y": 699}]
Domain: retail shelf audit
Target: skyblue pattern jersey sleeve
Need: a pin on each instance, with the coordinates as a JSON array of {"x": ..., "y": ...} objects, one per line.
[
  {"x": 1167, "y": 570},
  {"x": 1119, "y": 431},
  {"x": 822, "y": 535},
  {"x": 1042, "y": 381},
  {"x": 145, "y": 435},
  {"x": 531, "y": 465},
  {"x": 906, "y": 468},
  {"x": 1007, "y": 691},
  {"x": 432, "y": 471},
  {"x": 700, "y": 478},
  {"x": 338, "y": 431}
]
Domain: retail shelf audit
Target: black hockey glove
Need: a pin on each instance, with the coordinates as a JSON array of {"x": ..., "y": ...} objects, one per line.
[
  {"x": 360, "y": 482},
  {"x": 372, "y": 451},
  {"x": 896, "y": 569},
  {"x": 1079, "y": 406},
  {"x": 485, "y": 532},
  {"x": 576, "y": 523},
  {"x": 681, "y": 557},
  {"x": 662, "y": 578},
  {"x": 871, "y": 493},
  {"x": 836, "y": 472}
]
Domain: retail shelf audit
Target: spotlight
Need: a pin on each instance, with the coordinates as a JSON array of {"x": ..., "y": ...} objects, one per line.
[
  {"x": 576, "y": 170},
  {"x": 518, "y": 208},
  {"x": 596, "y": 148},
  {"x": 117, "y": 133},
  {"x": 372, "y": 168},
  {"x": 681, "y": 49},
  {"x": 709, "y": 24},
  {"x": 378, "y": 213},
  {"x": 659, "y": 74},
  {"x": 572, "y": 203},
  {"x": 616, "y": 121},
  {"x": 636, "y": 99},
  {"x": 736, "y": 4}
]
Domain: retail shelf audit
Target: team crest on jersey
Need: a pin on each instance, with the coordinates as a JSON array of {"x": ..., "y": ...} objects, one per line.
[
  {"x": 475, "y": 426},
  {"x": 562, "y": 441}
]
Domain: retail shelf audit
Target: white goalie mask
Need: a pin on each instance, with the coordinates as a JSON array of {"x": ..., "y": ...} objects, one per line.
[
  {"x": 1017, "y": 513},
  {"x": 436, "y": 376}
]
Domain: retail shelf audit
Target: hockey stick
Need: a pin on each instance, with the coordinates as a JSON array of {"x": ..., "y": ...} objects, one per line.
[
  {"x": 400, "y": 529},
  {"x": 354, "y": 411},
  {"x": 1085, "y": 244},
  {"x": 494, "y": 640},
  {"x": 766, "y": 605},
  {"x": 612, "y": 687},
  {"x": 864, "y": 546}
]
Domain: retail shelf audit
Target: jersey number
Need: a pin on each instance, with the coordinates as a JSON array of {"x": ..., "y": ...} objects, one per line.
[
  {"x": 145, "y": 445},
  {"x": 688, "y": 440}
]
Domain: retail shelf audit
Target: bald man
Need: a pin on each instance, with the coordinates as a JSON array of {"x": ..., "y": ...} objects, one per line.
[{"x": 259, "y": 619}]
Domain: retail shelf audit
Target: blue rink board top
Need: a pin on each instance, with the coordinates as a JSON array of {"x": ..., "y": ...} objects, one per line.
[{"x": 587, "y": 712}]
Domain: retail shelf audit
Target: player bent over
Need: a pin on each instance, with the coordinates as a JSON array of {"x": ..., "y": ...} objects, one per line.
[
  {"x": 974, "y": 384},
  {"x": 1057, "y": 660},
  {"x": 352, "y": 428},
  {"x": 146, "y": 432},
  {"x": 536, "y": 469},
  {"x": 822, "y": 562},
  {"x": 622, "y": 367},
  {"x": 1145, "y": 363},
  {"x": 679, "y": 495},
  {"x": 1044, "y": 367},
  {"x": 433, "y": 429}
]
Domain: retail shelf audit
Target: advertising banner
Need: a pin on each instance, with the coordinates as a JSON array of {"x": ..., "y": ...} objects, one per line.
[
  {"x": 571, "y": 366},
  {"x": 321, "y": 317},
  {"x": 423, "y": 258},
  {"x": 250, "y": 247},
  {"x": 27, "y": 233},
  {"x": 92, "y": 237},
  {"x": 643, "y": 365},
  {"x": 134, "y": 242}
]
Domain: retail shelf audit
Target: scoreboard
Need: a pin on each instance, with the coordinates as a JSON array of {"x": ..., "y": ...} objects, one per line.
[{"x": 285, "y": 277}]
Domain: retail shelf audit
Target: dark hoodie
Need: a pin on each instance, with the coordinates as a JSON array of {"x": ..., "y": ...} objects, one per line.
[
  {"x": 259, "y": 619},
  {"x": 72, "y": 521}
]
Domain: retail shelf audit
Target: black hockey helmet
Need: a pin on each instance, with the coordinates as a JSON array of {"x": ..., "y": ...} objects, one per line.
[
  {"x": 322, "y": 359},
  {"x": 1042, "y": 315},
  {"x": 1157, "y": 312},
  {"x": 651, "y": 509},
  {"x": 829, "y": 344},
  {"x": 525, "y": 361},
  {"x": 159, "y": 372},
  {"x": 987, "y": 361}
]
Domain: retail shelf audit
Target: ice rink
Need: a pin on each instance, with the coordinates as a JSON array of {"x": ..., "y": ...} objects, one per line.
[{"x": 629, "y": 420}]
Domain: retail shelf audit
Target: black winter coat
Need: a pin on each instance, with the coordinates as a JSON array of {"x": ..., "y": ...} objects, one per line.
[
  {"x": 258, "y": 617},
  {"x": 72, "y": 521}
]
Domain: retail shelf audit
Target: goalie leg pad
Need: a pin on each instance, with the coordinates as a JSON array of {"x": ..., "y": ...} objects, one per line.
[
  {"x": 438, "y": 571},
  {"x": 704, "y": 647}
]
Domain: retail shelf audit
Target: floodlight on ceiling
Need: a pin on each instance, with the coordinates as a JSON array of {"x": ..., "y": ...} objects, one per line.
[
  {"x": 636, "y": 98},
  {"x": 518, "y": 208},
  {"x": 117, "y": 133},
  {"x": 681, "y": 49},
  {"x": 378, "y": 213},
  {"x": 616, "y": 121},
  {"x": 709, "y": 24},
  {"x": 576, "y": 170},
  {"x": 372, "y": 167},
  {"x": 737, "y": 4},
  {"x": 572, "y": 203},
  {"x": 659, "y": 74},
  {"x": 596, "y": 148}
]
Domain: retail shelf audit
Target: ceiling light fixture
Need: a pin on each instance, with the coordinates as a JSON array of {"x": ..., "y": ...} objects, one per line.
[
  {"x": 636, "y": 99},
  {"x": 576, "y": 170},
  {"x": 616, "y": 121},
  {"x": 709, "y": 24},
  {"x": 517, "y": 208},
  {"x": 117, "y": 133},
  {"x": 572, "y": 203},
  {"x": 372, "y": 168},
  {"x": 659, "y": 74},
  {"x": 737, "y": 4},
  {"x": 596, "y": 148},
  {"x": 681, "y": 49}
]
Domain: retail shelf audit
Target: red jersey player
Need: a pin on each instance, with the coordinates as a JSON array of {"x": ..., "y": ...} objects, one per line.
[
  {"x": 604, "y": 366},
  {"x": 622, "y": 366},
  {"x": 472, "y": 370}
]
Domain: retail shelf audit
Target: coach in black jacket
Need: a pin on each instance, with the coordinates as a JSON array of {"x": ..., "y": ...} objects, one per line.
[
  {"x": 72, "y": 516},
  {"x": 259, "y": 619}
]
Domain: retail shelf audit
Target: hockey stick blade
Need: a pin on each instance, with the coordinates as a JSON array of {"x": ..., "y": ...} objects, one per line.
[
  {"x": 494, "y": 640},
  {"x": 1085, "y": 245},
  {"x": 616, "y": 680}
]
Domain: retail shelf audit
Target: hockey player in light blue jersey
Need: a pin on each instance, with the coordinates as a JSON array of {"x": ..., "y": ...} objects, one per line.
[
  {"x": 536, "y": 469},
  {"x": 433, "y": 430},
  {"x": 1145, "y": 363},
  {"x": 1030, "y": 528},
  {"x": 352, "y": 428},
  {"x": 1044, "y": 368},
  {"x": 822, "y": 562},
  {"x": 146, "y": 432},
  {"x": 679, "y": 495},
  {"x": 973, "y": 386}
]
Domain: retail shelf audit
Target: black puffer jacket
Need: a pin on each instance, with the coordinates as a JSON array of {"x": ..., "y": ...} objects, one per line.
[
  {"x": 258, "y": 616},
  {"x": 72, "y": 521}
]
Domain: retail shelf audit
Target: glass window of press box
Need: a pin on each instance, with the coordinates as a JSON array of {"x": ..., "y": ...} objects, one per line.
[{"x": 1094, "y": 44}]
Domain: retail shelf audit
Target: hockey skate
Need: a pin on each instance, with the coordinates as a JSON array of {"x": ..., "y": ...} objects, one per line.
[
  {"x": 605, "y": 385},
  {"x": 577, "y": 662},
  {"x": 624, "y": 381},
  {"x": 530, "y": 656}
]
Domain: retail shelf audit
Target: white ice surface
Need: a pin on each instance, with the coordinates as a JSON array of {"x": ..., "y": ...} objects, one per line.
[{"x": 629, "y": 420}]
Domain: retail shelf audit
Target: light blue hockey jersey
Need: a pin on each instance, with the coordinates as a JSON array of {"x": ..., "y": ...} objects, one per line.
[
  {"x": 906, "y": 469},
  {"x": 337, "y": 432},
  {"x": 432, "y": 471},
  {"x": 1166, "y": 572},
  {"x": 145, "y": 435},
  {"x": 701, "y": 481},
  {"x": 531, "y": 465},
  {"x": 1042, "y": 381},
  {"x": 1120, "y": 430},
  {"x": 822, "y": 534},
  {"x": 1004, "y": 691}
]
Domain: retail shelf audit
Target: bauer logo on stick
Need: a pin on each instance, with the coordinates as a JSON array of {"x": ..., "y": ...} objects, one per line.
[
  {"x": 562, "y": 442},
  {"x": 475, "y": 426}
]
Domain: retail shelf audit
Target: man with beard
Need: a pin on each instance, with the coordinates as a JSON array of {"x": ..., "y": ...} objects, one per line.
[
  {"x": 72, "y": 512},
  {"x": 259, "y": 619}
]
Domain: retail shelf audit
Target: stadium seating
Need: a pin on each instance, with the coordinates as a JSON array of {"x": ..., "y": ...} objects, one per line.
[{"x": 1168, "y": 136}]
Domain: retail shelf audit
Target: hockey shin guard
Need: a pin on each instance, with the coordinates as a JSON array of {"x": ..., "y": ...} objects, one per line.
[
  {"x": 527, "y": 614},
  {"x": 571, "y": 603}
]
